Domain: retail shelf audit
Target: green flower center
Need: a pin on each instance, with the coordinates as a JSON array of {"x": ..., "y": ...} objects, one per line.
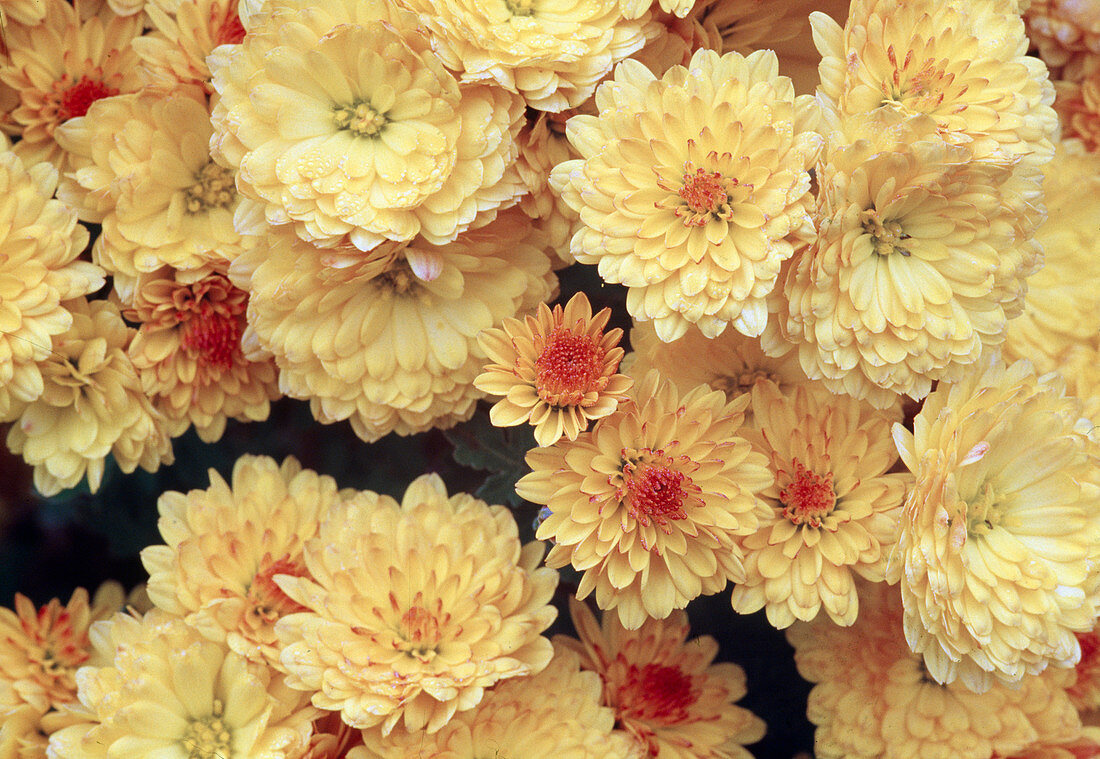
[
  {"x": 981, "y": 513},
  {"x": 520, "y": 7},
  {"x": 213, "y": 188},
  {"x": 208, "y": 737},
  {"x": 886, "y": 234},
  {"x": 360, "y": 119}
]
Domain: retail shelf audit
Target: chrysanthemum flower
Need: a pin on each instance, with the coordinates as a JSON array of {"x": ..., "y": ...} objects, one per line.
[
  {"x": 542, "y": 145},
  {"x": 1080, "y": 366},
  {"x": 648, "y": 503},
  {"x": 91, "y": 406},
  {"x": 332, "y": 738},
  {"x": 161, "y": 689},
  {"x": 39, "y": 270},
  {"x": 388, "y": 338},
  {"x": 873, "y": 698},
  {"x": 1063, "y": 28},
  {"x": 25, "y": 12},
  {"x": 185, "y": 33},
  {"x": 553, "y": 54},
  {"x": 383, "y": 144},
  {"x": 226, "y": 544},
  {"x": 1000, "y": 534},
  {"x": 1078, "y": 103},
  {"x": 692, "y": 188},
  {"x": 188, "y": 352},
  {"x": 832, "y": 512},
  {"x": 556, "y": 714},
  {"x": 415, "y": 609},
  {"x": 143, "y": 168},
  {"x": 665, "y": 690},
  {"x": 1085, "y": 690},
  {"x": 919, "y": 261},
  {"x": 79, "y": 53},
  {"x": 556, "y": 370}
]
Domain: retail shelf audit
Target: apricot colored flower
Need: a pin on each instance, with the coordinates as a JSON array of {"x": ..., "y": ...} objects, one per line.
[
  {"x": 553, "y": 54},
  {"x": 832, "y": 512},
  {"x": 384, "y": 144},
  {"x": 388, "y": 339},
  {"x": 1085, "y": 690},
  {"x": 542, "y": 145},
  {"x": 39, "y": 270},
  {"x": 873, "y": 699},
  {"x": 79, "y": 53},
  {"x": 555, "y": 714},
  {"x": 91, "y": 406},
  {"x": 648, "y": 503},
  {"x": 225, "y": 545},
  {"x": 1078, "y": 103},
  {"x": 1063, "y": 29},
  {"x": 999, "y": 536},
  {"x": 414, "y": 609},
  {"x": 332, "y": 738},
  {"x": 25, "y": 12},
  {"x": 920, "y": 259},
  {"x": 188, "y": 352},
  {"x": 666, "y": 691},
  {"x": 184, "y": 33},
  {"x": 556, "y": 370},
  {"x": 143, "y": 169},
  {"x": 162, "y": 689},
  {"x": 692, "y": 188}
]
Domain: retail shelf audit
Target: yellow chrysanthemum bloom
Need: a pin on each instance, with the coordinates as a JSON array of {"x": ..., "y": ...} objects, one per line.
[
  {"x": 81, "y": 52},
  {"x": 1000, "y": 535},
  {"x": 415, "y": 609},
  {"x": 648, "y": 503},
  {"x": 185, "y": 33},
  {"x": 162, "y": 689},
  {"x": 91, "y": 406},
  {"x": 873, "y": 698},
  {"x": 556, "y": 714},
  {"x": 556, "y": 370},
  {"x": 1080, "y": 366},
  {"x": 143, "y": 169},
  {"x": 543, "y": 145},
  {"x": 226, "y": 544},
  {"x": 919, "y": 261},
  {"x": 833, "y": 510},
  {"x": 665, "y": 690},
  {"x": 693, "y": 188},
  {"x": 551, "y": 53},
  {"x": 39, "y": 270},
  {"x": 388, "y": 339},
  {"x": 188, "y": 351},
  {"x": 383, "y": 144}
]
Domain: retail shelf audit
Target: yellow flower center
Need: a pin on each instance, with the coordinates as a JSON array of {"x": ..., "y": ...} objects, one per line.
[
  {"x": 656, "y": 694},
  {"x": 213, "y": 188},
  {"x": 808, "y": 496},
  {"x": 981, "y": 514},
  {"x": 520, "y": 7},
  {"x": 360, "y": 119},
  {"x": 919, "y": 86},
  {"x": 653, "y": 489},
  {"x": 569, "y": 367},
  {"x": 208, "y": 737},
  {"x": 886, "y": 234}
]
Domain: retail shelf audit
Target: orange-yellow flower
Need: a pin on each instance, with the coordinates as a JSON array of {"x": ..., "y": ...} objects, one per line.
[{"x": 185, "y": 33}]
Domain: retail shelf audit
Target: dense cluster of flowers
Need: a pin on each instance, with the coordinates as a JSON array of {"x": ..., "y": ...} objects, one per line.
[{"x": 860, "y": 381}]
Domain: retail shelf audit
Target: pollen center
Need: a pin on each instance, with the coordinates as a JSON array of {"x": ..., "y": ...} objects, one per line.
[
  {"x": 208, "y": 737},
  {"x": 520, "y": 7},
  {"x": 213, "y": 188},
  {"x": 360, "y": 119},
  {"x": 569, "y": 366},
  {"x": 653, "y": 491},
  {"x": 981, "y": 512},
  {"x": 213, "y": 337},
  {"x": 656, "y": 693},
  {"x": 704, "y": 191},
  {"x": 886, "y": 234},
  {"x": 268, "y": 599},
  {"x": 808, "y": 497},
  {"x": 78, "y": 98}
]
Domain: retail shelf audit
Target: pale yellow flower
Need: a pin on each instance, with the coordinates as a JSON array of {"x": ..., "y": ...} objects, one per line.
[
  {"x": 649, "y": 502},
  {"x": 692, "y": 188},
  {"x": 185, "y": 33},
  {"x": 414, "y": 609},
  {"x": 542, "y": 145}
]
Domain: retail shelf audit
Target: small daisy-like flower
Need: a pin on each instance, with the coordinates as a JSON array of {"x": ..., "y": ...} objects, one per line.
[
  {"x": 556, "y": 714},
  {"x": 648, "y": 503},
  {"x": 832, "y": 511},
  {"x": 226, "y": 544},
  {"x": 91, "y": 406},
  {"x": 556, "y": 370},
  {"x": 185, "y": 33},
  {"x": 552, "y": 53},
  {"x": 162, "y": 689},
  {"x": 81, "y": 52},
  {"x": 1000, "y": 534},
  {"x": 665, "y": 690},
  {"x": 414, "y": 609},
  {"x": 188, "y": 352},
  {"x": 692, "y": 188},
  {"x": 384, "y": 144}
]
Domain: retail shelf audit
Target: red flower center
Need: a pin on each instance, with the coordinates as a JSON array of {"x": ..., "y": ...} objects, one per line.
[
  {"x": 56, "y": 646},
  {"x": 656, "y": 693},
  {"x": 653, "y": 491},
  {"x": 808, "y": 497},
  {"x": 78, "y": 98},
  {"x": 569, "y": 367},
  {"x": 231, "y": 32},
  {"x": 214, "y": 337},
  {"x": 267, "y": 597},
  {"x": 704, "y": 192},
  {"x": 420, "y": 626}
]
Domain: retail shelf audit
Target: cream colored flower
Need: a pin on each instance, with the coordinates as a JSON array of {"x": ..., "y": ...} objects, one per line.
[
  {"x": 414, "y": 609},
  {"x": 665, "y": 690},
  {"x": 542, "y": 145},
  {"x": 185, "y": 33},
  {"x": 382, "y": 144},
  {"x": 226, "y": 544},
  {"x": 161, "y": 689},
  {"x": 648, "y": 503},
  {"x": 1080, "y": 366},
  {"x": 1000, "y": 534},
  {"x": 692, "y": 189},
  {"x": 91, "y": 406},
  {"x": 388, "y": 339}
]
